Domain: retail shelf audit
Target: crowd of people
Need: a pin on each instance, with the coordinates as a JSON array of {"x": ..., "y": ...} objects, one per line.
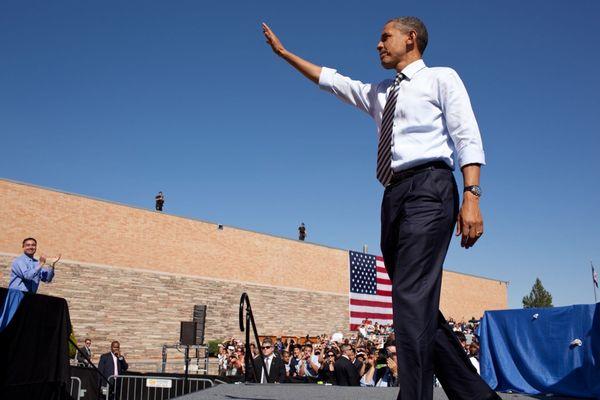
[{"x": 366, "y": 358}]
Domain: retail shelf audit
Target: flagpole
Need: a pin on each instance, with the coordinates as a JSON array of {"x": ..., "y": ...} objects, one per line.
[{"x": 593, "y": 281}]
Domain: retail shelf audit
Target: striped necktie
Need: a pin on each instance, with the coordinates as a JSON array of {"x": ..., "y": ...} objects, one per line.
[{"x": 384, "y": 149}]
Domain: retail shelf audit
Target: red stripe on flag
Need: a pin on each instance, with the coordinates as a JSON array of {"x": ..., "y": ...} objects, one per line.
[
  {"x": 382, "y": 281},
  {"x": 382, "y": 270},
  {"x": 361, "y": 314},
  {"x": 370, "y": 303},
  {"x": 384, "y": 293}
]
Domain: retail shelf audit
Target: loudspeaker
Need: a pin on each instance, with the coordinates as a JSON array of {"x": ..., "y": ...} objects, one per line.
[
  {"x": 187, "y": 335},
  {"x": 200, "y": 317}
]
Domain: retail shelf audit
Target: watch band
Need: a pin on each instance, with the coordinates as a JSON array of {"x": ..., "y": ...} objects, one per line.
[{"x": 474, "y": 189}]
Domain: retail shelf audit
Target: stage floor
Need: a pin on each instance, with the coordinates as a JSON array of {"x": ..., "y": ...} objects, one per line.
[{"x": 316, "y": 392}]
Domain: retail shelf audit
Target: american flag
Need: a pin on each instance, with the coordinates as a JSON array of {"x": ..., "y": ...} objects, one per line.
[
  {"x": 594, "y": 276},
  {"x": 370, "y": 290}
]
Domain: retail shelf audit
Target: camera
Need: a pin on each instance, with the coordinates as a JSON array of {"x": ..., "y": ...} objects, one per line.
[{"x": 382, "y": 358}]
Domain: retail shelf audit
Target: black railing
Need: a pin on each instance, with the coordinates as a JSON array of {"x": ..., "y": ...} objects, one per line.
[{"x": 251, "y": 373}]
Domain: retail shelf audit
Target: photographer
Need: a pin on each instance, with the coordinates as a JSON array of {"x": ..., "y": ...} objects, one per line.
[
  {"x": 387, "y": 368},
  {"x": 235, "y": 367},
  {"x": 308, "y": 367},
  {"x": 368, "y": 371},
  {"x": 327, "y": 370}
]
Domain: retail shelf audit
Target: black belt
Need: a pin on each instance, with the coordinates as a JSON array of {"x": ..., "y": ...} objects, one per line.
[{"x": 407, "y": 173}]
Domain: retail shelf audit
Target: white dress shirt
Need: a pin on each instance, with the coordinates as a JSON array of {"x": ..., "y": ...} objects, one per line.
[
  {"x": 115, "y": 363},
  {"x": 433, "y": 119},
  {"x": 268, "y": 361}
]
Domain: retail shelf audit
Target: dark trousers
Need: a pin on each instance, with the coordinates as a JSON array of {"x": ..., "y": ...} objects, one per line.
[{"x": 418, "y": 214}]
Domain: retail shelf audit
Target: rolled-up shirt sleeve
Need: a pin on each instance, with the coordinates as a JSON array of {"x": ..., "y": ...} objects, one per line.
[
  {"x": 47, "y": 274},
  {"x": 356, "y": 93},
  {"x": 460, "y": 120}
]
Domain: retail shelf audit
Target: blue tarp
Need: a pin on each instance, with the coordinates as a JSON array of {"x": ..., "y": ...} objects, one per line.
[
  {"x": 11, "y": 303},
  {"x": 529, "y": 351}
]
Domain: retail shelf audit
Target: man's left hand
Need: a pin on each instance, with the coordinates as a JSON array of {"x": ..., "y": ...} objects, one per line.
[
  {"x": 470, "y": 221},
  {"x": 54, "y": 261}
]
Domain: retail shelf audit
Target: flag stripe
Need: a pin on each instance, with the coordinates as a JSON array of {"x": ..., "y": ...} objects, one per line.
[
  {"x": 370, "y": 290},
  {"x": 369, "y": 315},
  {"x": 384, "y": 299},
  {"x": 374, "y": 310},
  {"x": 370, "y": 303}
]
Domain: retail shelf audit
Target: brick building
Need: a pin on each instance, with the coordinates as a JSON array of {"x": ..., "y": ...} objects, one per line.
[{"x": 132, "y": 274}]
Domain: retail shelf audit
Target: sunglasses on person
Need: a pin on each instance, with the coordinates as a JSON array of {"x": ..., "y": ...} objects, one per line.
[
  {"x": 330, "y": 355},
  {"x": 265, "y": 347}
]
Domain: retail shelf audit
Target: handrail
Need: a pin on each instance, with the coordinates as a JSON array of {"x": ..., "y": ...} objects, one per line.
[{"x": 244, "y": 299}]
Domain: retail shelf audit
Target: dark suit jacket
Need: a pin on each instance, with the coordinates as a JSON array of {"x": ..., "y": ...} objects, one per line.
[
  {"x": 80, "y": 359},
  {"x": 107, "y": 367},
  {"x": 346, "y": 373},
  {"x": 276, "y": 372}
]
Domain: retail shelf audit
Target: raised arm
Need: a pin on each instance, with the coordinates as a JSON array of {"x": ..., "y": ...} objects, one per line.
[
  {"x": 351, "y": 91},
  {"x": 308, "y": 69}
]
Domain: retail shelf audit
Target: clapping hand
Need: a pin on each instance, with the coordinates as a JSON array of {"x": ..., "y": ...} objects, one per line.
[{"x": 53, "y": 261}]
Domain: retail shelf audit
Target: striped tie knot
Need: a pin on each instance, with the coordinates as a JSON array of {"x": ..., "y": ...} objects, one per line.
[{"x": 384, "y": 150}]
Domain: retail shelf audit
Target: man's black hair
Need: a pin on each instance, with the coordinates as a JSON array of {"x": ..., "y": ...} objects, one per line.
[
  {"x": 29, "y": 238},
  {"x": 414, "y": 24}
]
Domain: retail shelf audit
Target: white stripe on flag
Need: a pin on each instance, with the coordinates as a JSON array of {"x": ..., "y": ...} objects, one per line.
[
  {"x": 384, "y": 276},
  {"x": 372, "y": 297}
]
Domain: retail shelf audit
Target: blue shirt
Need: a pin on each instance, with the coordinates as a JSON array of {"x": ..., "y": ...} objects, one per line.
[{"x": 26, "y": 274}]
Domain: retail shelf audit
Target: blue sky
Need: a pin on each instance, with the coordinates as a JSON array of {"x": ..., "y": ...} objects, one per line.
[{"x": 118, "y": 100}]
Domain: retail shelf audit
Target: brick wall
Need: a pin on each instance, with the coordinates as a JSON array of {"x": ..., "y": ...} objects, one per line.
[{"x": 94, "y": 231}]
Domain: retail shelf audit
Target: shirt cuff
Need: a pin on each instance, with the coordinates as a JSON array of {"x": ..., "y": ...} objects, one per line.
[
  {"x": 326, "y": 78},
  {"x": 471, "y": 156}
]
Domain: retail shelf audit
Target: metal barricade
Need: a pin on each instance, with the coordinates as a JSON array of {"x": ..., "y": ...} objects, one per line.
[
  {"x": 210, "y": 367},
  {"x": 131, "y": 387},
  {"x": 75, "y": 389}
]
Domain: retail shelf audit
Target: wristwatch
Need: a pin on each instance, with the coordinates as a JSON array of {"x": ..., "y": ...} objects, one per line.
[{"x": 474, "y": 189}]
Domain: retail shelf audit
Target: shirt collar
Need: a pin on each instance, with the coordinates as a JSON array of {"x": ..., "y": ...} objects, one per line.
[
  {"x": 26, "y": 257},
  {"x": 411, "y": 69}
]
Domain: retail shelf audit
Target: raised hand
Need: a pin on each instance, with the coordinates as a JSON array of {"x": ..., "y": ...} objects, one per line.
[
  {"x": 55, "y": 260},
  {"x": 272, "y": 40},
  {"x": 42, "y": 260}
]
